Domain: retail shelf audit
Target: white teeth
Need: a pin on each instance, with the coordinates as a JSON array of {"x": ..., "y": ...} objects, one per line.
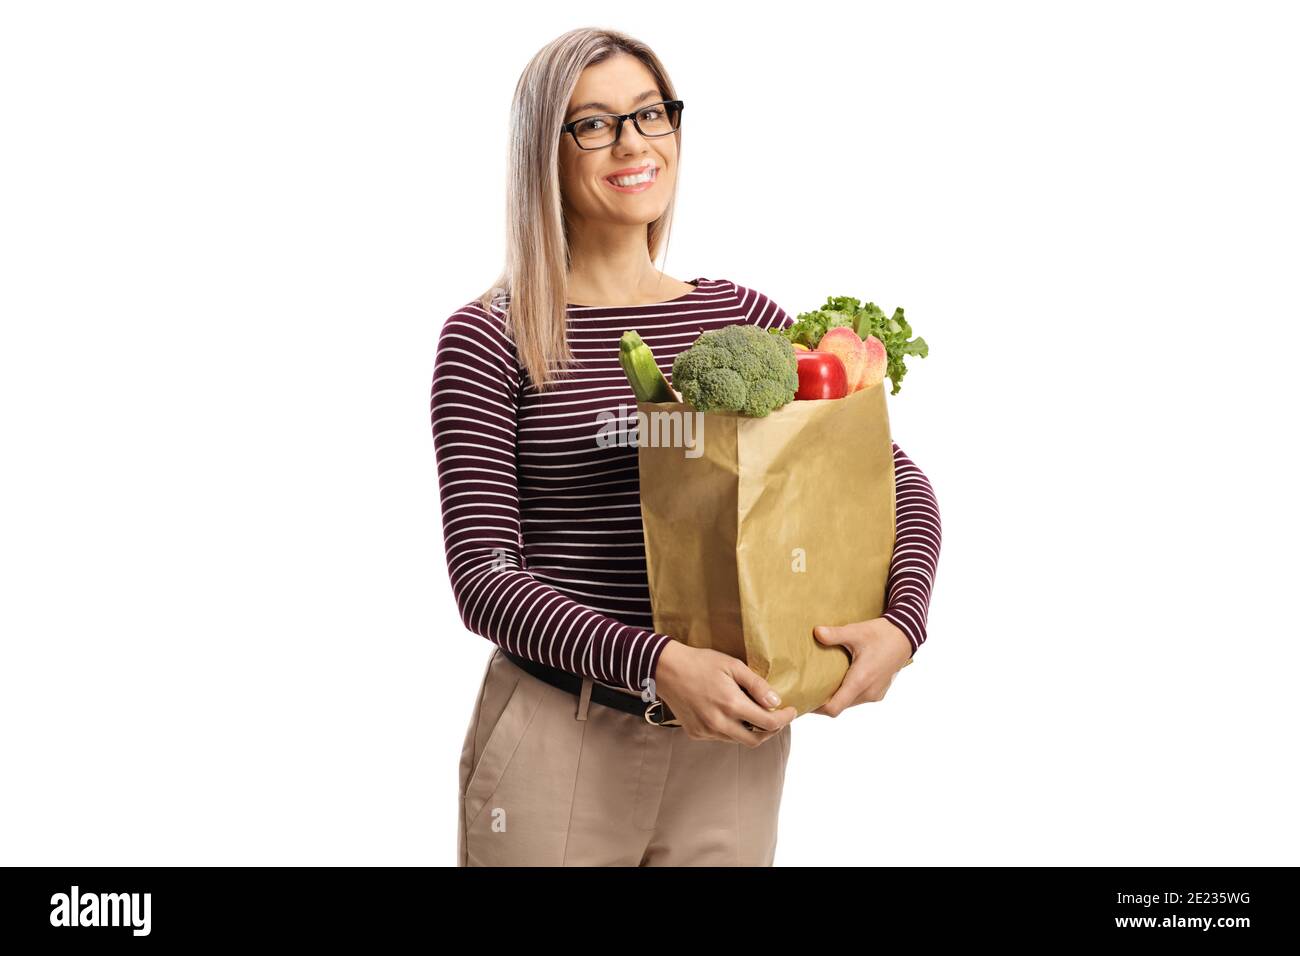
[{"x": 633, "y": 180}]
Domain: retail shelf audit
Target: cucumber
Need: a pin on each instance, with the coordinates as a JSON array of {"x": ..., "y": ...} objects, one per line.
[{"x": 647, "y": 381}]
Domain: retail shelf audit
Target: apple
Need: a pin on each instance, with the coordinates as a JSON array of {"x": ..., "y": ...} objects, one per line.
[
  {"x": 821, "y": 375},
  {"x": 873, "y": 372},
  {"x": 843, "y": 342}
]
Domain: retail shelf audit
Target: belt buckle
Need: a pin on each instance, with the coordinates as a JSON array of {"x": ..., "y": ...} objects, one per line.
[{"x": 655, "y": 706}]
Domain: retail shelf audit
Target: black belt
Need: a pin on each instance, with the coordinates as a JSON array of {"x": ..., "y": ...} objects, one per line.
[{"x": 655, "y": 711}]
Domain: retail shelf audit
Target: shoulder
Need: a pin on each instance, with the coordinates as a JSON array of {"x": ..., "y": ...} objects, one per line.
[
  {"x": 472, "y": 316},
  {"x": 760, "y": 309},
  {"x": 476, "y": 329}
]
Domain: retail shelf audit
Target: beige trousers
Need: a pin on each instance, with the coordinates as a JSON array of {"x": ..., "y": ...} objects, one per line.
[{"x": 548, "y": 778}]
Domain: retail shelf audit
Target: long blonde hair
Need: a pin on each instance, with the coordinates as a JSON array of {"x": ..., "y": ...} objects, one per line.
[{"x": 535, "y": 277}]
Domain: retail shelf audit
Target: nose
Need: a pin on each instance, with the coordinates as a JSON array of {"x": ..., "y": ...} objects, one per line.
[{"x": 629, "y": 135}]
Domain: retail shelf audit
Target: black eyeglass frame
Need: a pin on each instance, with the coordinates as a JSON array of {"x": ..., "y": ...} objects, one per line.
[{"x": 571, "y": 129}]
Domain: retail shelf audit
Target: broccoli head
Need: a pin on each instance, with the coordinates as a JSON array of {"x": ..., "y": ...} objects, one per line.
[{"x": 739, "y": 368}]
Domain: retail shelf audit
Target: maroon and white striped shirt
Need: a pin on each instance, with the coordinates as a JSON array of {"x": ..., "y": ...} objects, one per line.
[{"x": 542, "y": 523}]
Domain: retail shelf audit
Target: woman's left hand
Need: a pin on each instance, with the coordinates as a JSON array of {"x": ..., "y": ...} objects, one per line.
[{"x": 879, "y": 649}]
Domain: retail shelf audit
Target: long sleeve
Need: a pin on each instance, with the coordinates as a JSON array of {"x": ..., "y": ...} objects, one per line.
[
  {"x": 916, "y": 550},
  {"x": 918, "y": 532},
  {"x": 474, "y": 414}
]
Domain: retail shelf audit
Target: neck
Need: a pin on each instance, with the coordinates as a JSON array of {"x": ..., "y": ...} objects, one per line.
[{"x": 610, "y": 262}]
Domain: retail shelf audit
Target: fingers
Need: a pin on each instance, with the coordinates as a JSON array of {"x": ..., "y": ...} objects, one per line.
[
  {"x": 765, "y": 723},
  {"x": 841, "y": 700},
  {"x": 847, "y": 697},
  {"x": 734, "y": 725},
  {"x": 757, "y": 688},
  {"x": 744, "y": 710},
  {"x": 731, "y": 718},
  {"x": 847, "y": 694},
  {"x": 739, "y": 732}
]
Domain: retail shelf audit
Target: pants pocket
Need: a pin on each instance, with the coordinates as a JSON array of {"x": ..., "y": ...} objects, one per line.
[{"x": 502, "y": 741}]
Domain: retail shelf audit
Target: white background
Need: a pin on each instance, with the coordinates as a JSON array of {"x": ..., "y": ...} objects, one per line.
[{"x": 230, "y": 234}]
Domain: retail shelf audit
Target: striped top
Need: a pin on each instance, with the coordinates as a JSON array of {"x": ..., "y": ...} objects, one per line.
[{"x": 542, "y": 523}]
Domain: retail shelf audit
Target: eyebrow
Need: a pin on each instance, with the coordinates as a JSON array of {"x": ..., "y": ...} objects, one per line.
[{"x": 605, "y": 106}]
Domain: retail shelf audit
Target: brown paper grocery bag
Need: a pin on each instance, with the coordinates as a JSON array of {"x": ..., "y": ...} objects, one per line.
[{"x": 759, "y": 529}]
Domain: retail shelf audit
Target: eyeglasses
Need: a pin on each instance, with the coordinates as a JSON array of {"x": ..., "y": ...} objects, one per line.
[{"x": 604, "y": 129}]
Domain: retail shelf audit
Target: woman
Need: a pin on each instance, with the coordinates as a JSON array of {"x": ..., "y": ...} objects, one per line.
[{"x": 563, "y": 761}]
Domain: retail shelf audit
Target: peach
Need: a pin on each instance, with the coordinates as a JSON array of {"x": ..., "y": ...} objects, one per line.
[
  {"x": 873, "y": 372},
  {"x": 844, "y": 342}
]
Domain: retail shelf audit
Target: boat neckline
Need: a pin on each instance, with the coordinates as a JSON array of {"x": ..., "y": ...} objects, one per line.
[{"x": 698, "y": 283}]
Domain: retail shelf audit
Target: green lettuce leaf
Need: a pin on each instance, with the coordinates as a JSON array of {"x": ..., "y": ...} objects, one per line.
[{"x": 895, "y": 331}]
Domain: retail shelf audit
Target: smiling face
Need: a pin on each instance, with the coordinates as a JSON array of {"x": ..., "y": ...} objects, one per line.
[{"x": 622, "y": 84}]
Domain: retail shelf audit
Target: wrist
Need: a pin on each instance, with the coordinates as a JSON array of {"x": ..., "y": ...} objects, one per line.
[
  {"x": 667, "y": 664},
  {"x": 899, "y": 638}
]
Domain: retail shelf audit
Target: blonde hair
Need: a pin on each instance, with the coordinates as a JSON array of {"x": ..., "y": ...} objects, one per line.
[{"x": 537, "y": 263}]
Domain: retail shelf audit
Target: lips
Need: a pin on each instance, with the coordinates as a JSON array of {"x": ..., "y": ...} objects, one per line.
[{"x": 632, "y": 171}]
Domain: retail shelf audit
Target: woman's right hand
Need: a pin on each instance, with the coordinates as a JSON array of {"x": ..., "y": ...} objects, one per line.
[{"x": 711, "y": 693}]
